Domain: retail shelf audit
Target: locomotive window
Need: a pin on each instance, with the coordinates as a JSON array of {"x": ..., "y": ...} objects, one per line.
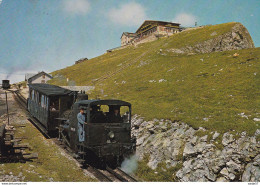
[
  {"x": 125, "y": 114},
  {"x": 109, "y": 114}
]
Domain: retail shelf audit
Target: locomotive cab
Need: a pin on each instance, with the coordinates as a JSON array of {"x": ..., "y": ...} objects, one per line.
[{"x": 107, "y": 132}]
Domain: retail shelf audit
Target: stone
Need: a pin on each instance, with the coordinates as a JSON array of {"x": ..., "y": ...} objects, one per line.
[
  {"x": 211, "y": 176},
  {"x": 204, "y": 138},
  {"x": 257, "y": 132},
  {"x": 164, "y": 128},
  {"x": 194, "y": 140},
  {"x": 150, "y": 125},
  {"x": 202, "y": 129},
  {"x": 227, "y": 139},
  {"x": 224, "y": 172},
  {"x": 231, "y": 176},
  {"x": 153, "y": 162},
  {"x": 140, "y": 140},
  {"x": 200, "y": 147},
  {"x": 170, "y": 163},
  {"x": 221, "y": 179},
  {"x": 243, "y": 133},
  {"x": 190, "y": 132},
  {"x": 215, "y": 135},
  {"x": 251, "y": 173},
  {"x": 189, "y": 150},
  {"x": 233, "y": 166}
]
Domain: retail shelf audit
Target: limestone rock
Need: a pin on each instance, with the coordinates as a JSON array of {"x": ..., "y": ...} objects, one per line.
[
  {"x": 216, "y": 134},
  {"x": 234, "y": 167},
  {"x": 227, "y": 138},
  {"x": 221, "y": 179},
  {"x": 231, "y": 176},
  {"x": 189, "y": 150},
  {"x": 204, "y": 138},
  {"x": 251, "y": 173},
  {"x": 224, "y": 172},
  {"x": 237, "y": 38}
]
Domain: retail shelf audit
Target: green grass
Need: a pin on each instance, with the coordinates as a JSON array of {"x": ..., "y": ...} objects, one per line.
[
  {"x": 50, "y": 162},
  {"x": 215, "y": 86}
]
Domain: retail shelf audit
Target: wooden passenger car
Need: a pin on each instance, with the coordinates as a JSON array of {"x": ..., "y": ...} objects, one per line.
[{"x": 48, "y": 102}]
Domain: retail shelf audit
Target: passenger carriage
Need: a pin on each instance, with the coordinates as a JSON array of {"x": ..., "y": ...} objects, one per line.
[{"x": 48, "y": 102}]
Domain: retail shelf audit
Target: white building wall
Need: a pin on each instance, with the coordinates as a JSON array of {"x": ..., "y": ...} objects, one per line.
[{"x": 41, "y": 79}]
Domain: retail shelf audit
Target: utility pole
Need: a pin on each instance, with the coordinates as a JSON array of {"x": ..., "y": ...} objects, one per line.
[{"x": 7, "y": 107}]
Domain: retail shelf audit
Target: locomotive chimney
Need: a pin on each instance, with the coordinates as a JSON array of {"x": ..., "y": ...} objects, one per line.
[{"x": 82, "y": 96}]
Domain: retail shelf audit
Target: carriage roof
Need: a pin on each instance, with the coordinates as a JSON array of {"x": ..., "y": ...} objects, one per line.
[{"x": 50, "y": 90}]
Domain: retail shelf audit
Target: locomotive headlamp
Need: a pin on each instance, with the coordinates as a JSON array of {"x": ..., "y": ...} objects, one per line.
[{"x": 111, "y": 134}]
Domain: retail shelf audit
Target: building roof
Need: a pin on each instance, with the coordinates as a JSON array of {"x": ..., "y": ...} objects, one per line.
[
  {"x": 29, "y": 75},
  {"x": 50, "y": 90},
  {"x": 128, "y": 34},
  {"x": 154, "y": 21},
  {"x": 38, "y": 75}
]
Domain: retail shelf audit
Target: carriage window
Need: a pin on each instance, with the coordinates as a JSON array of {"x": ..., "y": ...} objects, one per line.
[
  {"x": 54, "y": 104},
  {"x": 39, "y": 99},
  {"x": 43, "y": 101},
  {"x": 47, "y": 102},
  {"x": 33, "y": 95}
]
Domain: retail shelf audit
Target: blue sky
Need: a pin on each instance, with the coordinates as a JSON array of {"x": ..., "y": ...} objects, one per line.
[{"x": 47, "y": 35}]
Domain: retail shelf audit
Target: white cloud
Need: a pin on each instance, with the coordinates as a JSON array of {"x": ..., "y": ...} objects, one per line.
[
  {"x": 185, "y": 19},
  {"x": 76, "y": 6},
  {"x": 130, "y": 14}
]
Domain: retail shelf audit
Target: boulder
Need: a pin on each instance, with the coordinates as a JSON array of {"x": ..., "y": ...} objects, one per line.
[
  {"x": 227, "y": 138},
  {"x": 189, "y": 150},
  {"x": 233, "y": 167},
  {"x": 224, "y": 172},
  {"x": 204, "y": 138},
  {"x": 215, "y": 135},
  {"x": 251, "y": 173},
  {"x": 221, "y": 179}
]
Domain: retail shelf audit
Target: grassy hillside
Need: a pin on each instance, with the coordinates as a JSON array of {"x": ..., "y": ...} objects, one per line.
[{"x": 217, "y": 91}]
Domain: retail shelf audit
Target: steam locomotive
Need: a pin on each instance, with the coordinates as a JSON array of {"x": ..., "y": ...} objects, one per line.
[
  {"x": 105, "y": 138},
  {"x": 5, "y": 84}
]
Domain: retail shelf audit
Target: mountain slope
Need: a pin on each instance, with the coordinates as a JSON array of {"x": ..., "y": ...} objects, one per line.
[{"x": 171, "y": 79}]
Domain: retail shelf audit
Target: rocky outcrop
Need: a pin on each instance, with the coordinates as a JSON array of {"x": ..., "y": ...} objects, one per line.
[
  {"x": 237, "y": 38},
  {"x": 175, "y": 142}
]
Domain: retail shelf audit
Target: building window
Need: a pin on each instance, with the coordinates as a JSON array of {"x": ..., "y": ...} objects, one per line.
[
  {"x": 43, "y": 76},
  {"x": 43, "y": 81}
]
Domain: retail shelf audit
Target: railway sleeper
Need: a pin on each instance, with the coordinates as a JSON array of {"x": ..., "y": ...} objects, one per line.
[{"x": 11, "y": 150}]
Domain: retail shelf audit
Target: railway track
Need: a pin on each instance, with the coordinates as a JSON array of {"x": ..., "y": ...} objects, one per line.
[
  {"x": 23, "y": 104},
  {"x": 103, "y": 175}
]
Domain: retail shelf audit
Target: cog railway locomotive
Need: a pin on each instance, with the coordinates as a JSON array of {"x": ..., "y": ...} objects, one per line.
[
  {"x": 5, "y": 84},
  {"x": 105, "y": 138}
]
